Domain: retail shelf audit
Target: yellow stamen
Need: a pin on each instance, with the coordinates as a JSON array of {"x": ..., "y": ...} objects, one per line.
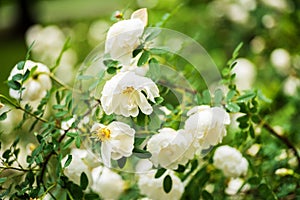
[
  {"x": 128, "y": 90},
  {"x": 103, "y": 134}
]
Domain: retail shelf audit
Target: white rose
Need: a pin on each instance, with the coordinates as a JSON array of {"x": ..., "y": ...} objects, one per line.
[
  {"x": 124, "y": 36},
  {"x": 245, "y": 74},
  {"x": 126, "y": 92},
  {"x": 207, "y": 125},
  {"x": 78, "y": 165},
  {"x": 36, "y": 85},
  {"x": 117, "y": 140},
  {"x": 230, "y": 161},
  {"x": 169, "y": 148},
  {"x": 48, "y": 42},
  {"x": 153, "y": 187},
  {"x": 234, "y": 185},
  {"x": 106, "y": 183}
]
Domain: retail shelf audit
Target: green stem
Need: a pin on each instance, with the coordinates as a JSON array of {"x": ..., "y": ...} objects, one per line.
[
  {"x": 19, "y": 107},
  {"x": 15, "y": 168}
]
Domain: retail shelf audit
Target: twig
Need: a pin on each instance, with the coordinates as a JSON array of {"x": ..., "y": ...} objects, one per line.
[{"x": 285, "y": 140}]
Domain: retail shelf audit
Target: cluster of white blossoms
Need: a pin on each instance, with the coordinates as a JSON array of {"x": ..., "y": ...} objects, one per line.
[
  {"x": 35, "y": 86},
  {"x": 103, "y": 181},
  {"x": 230, "y": 161},
  {"x": 129, "y": 92}
]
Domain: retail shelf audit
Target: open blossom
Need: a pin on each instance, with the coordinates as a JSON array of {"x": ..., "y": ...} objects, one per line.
[
  {"x": 153, "y": 187},
  {"x": 108, "y": 184},
  {"x": 36, "y": 86},
  {"x": 124, "y": 36},
  {"x": 117, "y": 140},
  {"x": 207, "y": 125},
  {"x": 126, "y": 93},
  {"x": 230, "y": 161},
  {"x": 169, "y": 148}
]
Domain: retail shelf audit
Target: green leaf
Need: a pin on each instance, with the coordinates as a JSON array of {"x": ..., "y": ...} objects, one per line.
[
  {"x": 68, "y": 143},
  {"x": 218, "y": 96},
  {"x": 246, "y": 97},
  {"x": 84, "y": 181},
  {"x": 235, "y": 53},
  {"x": 15, "y": 85},
  {"x": 61, "y": 113},
  {"x": 158, "y": 100},
  {"x": 144, "y": 58},
  {"x": 206, "y": 99},
  {"x": 230, "y": 95},
  {"x": 3, "y": 116},
  {"x": 68, "y": 161},
  {"x": 180, "y": 169},
  {"x": 159, "y": 172},
  {"x": 138, "y": 50},
  {"x": 77, "y": 141},
  {"x": 153, "y": 34},
  {"x": 111, "y": 70},
  {"x": 154, "y": 68},
  {"x": 262, "y": 97},
  {"x": 30, "y": 178},
  {"x": 255, "y": 119},
  {"x": 71, "y": 134},
  {"x": 110, "y": 63},
  {"x": 121, "y": 162},
  {"x": 232, "y": 107},
  {"x": 2, "y": 180},
  {"x": 159, "y": 51},
  {"x": 167, "y": 183},
  {"x": 141, "y": 153},
  {"x": 20, "y": 65},
  {"x": 17, "y": 77},
  {"x": 58, "y": 107}
]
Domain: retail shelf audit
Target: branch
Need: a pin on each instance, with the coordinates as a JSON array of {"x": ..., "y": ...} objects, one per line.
[{"x": 285, "y": 140}]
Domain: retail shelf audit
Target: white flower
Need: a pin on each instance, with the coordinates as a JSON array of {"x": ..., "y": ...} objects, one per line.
[
  {"x": 291, "y": 85},
  {"x": 230, "y": 161},
  {"x": 117, "y": 140},
  {"x": 153, "y": 187},
  {"x": 80, "y": 163},
  {"x": 169, "y": 148},
  {"x": 207, "y": 125},
  {"x": 124, "y": 36},
  {"x": 126, "y": 92},
  {"x": 108, "y": 184},
  {"x": 245, "y": 74},
  {"x": 48, "y": 42},
  {"x": 281, "y": 60},
  {"x": 234, "y": 185},
  {"x": 36, "y": 85}
]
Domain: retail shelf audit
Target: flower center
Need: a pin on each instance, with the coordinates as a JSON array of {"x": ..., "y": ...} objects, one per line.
[
  {"x": 128, "y": 90},
  {"x": 103, "y": 134}
]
